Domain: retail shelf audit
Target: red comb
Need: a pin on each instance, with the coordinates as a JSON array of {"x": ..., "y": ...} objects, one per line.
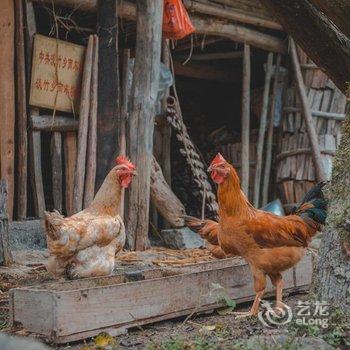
[
  {"x": 123, "y": 160},
  {"x": 219, "y": 159}
]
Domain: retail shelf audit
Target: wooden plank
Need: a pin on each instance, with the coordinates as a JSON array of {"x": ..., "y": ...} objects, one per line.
[
  {"x": 316, "y": 154},
  {"x": 315, "y": 113},
  {"x": 7, "y": 99},
  {"x": 5, "y": 251},
  {"x": 108, "y": 88},
  {"x": 89, "y": 192},
  {"x": 262, "y": 129},
  {"x": 56, "y": 164},
  {"x": 141, "y": 120},
  {"x": 70, "y": 157},
  {"x": 245, "y": 129},
  {"x": 49, "y": 124},
  {"x": 34, "y": 141},
  {"x": 109, "y": 304},
  {"x": 80, "y": 166},
  {"x": 21, "y": 102}
]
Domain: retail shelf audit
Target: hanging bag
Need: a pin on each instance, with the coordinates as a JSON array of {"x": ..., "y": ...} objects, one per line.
[{"x": 176, "y": 22}]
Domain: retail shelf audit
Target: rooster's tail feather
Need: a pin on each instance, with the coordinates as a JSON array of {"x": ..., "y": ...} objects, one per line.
[{"x": 53, "y": 221}]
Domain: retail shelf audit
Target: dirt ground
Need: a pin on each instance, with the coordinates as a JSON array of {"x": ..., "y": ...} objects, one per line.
[{"x": 210, "y": 331}]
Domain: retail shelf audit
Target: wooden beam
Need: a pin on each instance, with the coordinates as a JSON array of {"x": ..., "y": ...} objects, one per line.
[
  {"x": 269, "y": 139},
  {"x": 245, "y": 128},
  {"x": 141, "y": 118},
  {"x": 213, "y": 56},
  {"x": 70, "y": 157},
  {"x": 7, "y": 99},
  {"x": 228, "y": 13},
  {"x": 202, "y": 42},
  {"x": 49, "y": 124},
  {"x": 316, "y": 35},
  {"x": 338, "y": 11},
  {"x": 21, "y": 102},
  {"x": 108, "y": 119},
  {"x": 206, "y": 72},
  {"x": 89, "y": 191},
  {"x": 5, "y": 251},
  {"x": 239, "y": 34},
  {"x": 315, "y": 113},
  {"x": 262, "y": 129},
  {"x": 57, "y": 166},
  {"x": 80, "y": 166},
  {"x": 310, "y": 127}
]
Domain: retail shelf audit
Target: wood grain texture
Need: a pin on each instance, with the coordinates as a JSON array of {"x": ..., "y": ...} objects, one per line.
[
  {"x": 89, "y": 191},
  {"x": 5, "y": 251},
  {"x": 49, "y": 124},
  {"x": 245, "y": 128},
  {"x": 57, "y": 166},
  {"x": 7, "y": 99},
  {"x": 70, "y": 157},
  {"x": 141, "y": 119},
  {"x": 21, "y": 102},
  {"x": 80, "y": 166}
]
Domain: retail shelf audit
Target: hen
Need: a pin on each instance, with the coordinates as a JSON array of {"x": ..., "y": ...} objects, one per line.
[
  {"x": 85, "y": 244},
  {"x": 269, "y": 243}
]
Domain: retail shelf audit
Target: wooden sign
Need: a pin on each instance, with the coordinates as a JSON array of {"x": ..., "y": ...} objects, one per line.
[{"x": 56, "y": 74}]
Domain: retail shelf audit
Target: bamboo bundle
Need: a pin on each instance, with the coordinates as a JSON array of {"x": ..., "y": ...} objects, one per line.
[{"x": 295, "y": 170}]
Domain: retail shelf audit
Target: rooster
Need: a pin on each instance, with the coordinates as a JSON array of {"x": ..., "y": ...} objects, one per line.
[
  {"x": 269, "y": 243},
  {"x": 85, "y": 244}
]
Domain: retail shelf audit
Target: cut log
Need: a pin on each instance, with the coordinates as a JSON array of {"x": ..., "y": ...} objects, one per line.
[
  {"x": 227, "y": 13},
  {"x": 164, "y": 199},
  {"x": 245, "y": 131},
  {"x": 80, "y": 166},
  {"x": 315, "y": 148},
  {"x": 7, "y": 99},
  {"x": 56, "y": 163},
  {"x": 21, "y": 101},
  {"x": 70, "y": 157},
  {"x": 262, "y": 129},
  {"x": 141, "y": 120},
  {"x": 108, "y": 119},
  {"x": 89, "y": 191},
  {"x": 5, "y": 251},
  {"x": 304, "y": 22},
  {"x": 49, "y": 124}
]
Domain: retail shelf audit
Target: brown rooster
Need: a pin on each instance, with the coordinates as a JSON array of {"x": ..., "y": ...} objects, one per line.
[
  {"x": 269, "y": 243},
  {"x": 85, "y": 244}
]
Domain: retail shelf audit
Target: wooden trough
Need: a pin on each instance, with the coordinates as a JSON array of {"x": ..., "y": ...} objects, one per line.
[{"x": 73, "y": 310}]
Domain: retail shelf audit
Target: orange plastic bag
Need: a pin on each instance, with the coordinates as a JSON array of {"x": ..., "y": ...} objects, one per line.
[{"x": 176, "y": 22}]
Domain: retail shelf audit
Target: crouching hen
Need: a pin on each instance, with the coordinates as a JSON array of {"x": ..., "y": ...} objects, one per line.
[
  {"x": 85, "y": 244},
  {"x": 269, "y": 243}
]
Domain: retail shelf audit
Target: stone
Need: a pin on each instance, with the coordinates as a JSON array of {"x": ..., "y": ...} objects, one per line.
[{"x": 182, "y": 238}]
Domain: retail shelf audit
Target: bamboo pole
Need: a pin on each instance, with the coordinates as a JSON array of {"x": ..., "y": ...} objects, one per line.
[
  {"x": 269, "y": 141},
  {"x": 245, "y": 120},
  {"x": 21, "y": 114},
  {"x": 306, "y": 112},
  {"x": 7, "y": 99},
  {"x": 79, "y": 175},
  {"x": 89, "y": 192},
  {"x": 262, "y": 129}
]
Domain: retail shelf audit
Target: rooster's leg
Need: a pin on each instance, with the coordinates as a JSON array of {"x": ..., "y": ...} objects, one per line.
[
  {"x": 259, "y": 286},
  {"x": 277, "y": 281}
]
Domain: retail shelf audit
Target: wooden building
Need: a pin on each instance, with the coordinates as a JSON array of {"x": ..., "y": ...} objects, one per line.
[{"x": 241, "y": 87}]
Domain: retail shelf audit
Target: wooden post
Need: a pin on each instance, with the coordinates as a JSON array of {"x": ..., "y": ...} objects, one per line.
[
  {"x": 89, "y": 192},
  {"x": 5, "y": 251},
  {"x": 269, "y": 141},
  {"x": 56, "y": 159},
  {"x": 306, "y": 112},
  {"x": 80, "y": 166},
  {"x": 108, "y": 87},
  {"x": 21, "y": 114},
  {"x": 262, "y": 129},
  {"x": 70, "y": 157},
  {"x": 141, "y": 119},
  {"x": 7, "y": 98},
  {"x": 245, "y": 120}
]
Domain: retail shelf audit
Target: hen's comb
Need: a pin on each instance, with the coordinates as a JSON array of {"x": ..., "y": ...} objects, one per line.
[
  {"x": 125, "y": 161},
  {"x": 219, "y": 159}
]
